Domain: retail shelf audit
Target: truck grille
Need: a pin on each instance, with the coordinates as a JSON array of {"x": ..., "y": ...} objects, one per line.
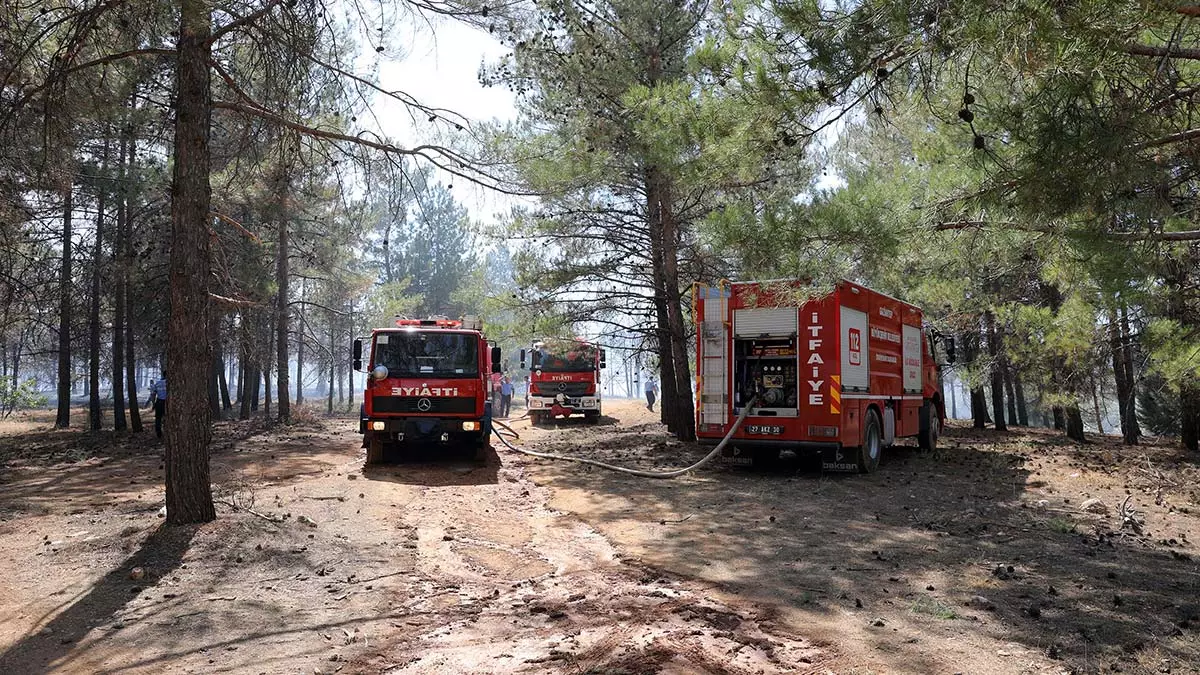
[
  {"x": 410, "y": 404},
  {"x": 556, "y": 388}
]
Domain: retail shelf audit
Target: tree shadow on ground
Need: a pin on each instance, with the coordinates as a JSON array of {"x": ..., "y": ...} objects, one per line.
[
  {"x": 914, "y": 542},
  {"x": 436, "y": 467},
  {"x": 46, "y": 650}
]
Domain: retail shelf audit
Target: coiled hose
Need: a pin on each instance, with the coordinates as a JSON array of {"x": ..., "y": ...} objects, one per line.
[{"x": 624, "y": 469}]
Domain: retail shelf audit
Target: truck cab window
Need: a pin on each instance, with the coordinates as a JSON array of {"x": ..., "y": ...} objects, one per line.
[{"x": 428, "y": 355}]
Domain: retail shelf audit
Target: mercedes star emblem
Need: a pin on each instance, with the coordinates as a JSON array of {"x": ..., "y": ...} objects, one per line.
[
  {"x": 562, "y": 387},
  {"x": 424, "y": 405}
]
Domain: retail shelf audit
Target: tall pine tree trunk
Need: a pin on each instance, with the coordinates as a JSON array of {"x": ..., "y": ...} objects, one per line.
[
  {"x": 664, "y": 344},
  {"x": 1189, "y": 418},
  {"x": 188, "y": 426},
  {"x": 1019, "y": 393},
  {"x": 300, "y": 353},
  {"x": 226, "y": 404},
  {"x": 214, "y": 366},
  {"x": 683, "y": 409},
  {"x": 95, "y": 413},
  {"x": 118, "y": 286},
  {"x": 1010, "y": 392},
  {"x": 131, "y": 388},
  {"x": 994, "y": 349},
  {"x": 281, "y": 281},
  {"x": 332, "y": 363},
  {"x": 1122, "y": 361},
  {"x": 1074, "y": 423},
  {"x": 63, "y": 419}
]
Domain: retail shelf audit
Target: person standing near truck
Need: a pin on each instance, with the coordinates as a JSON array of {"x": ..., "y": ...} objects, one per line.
[
  {"x": 158, "y": 398},
  {"x": 651, "y": 390},
  {"x": 506, "y": 393}
]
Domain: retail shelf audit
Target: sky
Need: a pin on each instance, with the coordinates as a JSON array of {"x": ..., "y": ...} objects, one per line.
[{"x": 440, "y": 69}]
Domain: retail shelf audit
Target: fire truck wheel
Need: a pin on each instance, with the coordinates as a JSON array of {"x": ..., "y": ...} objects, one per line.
[
  {"x": 872, "y": 443},
  {"x": 374, "y": 450},
  {"x": 592, "y": 417},
  {"x": 535, "y": 419},
  {"x": 481, "y": 447},
  {"x": 931, "y": 423}
]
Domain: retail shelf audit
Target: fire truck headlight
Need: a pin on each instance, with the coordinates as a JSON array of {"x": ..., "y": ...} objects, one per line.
[
  {"x": 378, "y": 426},
  {"x": 589, "y": 403},
  {"x": 470, "y": 426}
]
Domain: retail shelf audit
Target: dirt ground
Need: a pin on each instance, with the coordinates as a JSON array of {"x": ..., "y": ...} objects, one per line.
[{"x": 977, "y": 559}]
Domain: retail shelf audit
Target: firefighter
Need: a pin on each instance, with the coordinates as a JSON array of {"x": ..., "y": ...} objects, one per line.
[
  {"x": 506, "y": 392},
  {"x": 651, "y": 390},
  {"x": 158, "y": 398}
]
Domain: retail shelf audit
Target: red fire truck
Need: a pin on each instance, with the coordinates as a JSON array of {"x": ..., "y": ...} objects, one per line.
[
  {"x": 844, "y": 373},
  {"x": 564, "y": 379},
  {"x": 427, "y": 383}
]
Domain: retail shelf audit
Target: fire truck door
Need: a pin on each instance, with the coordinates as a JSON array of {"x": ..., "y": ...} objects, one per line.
[{"x": 714, "y": 355}]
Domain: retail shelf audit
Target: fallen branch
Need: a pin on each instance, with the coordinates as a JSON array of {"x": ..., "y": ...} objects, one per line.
[{"x": 252, "y": 512}]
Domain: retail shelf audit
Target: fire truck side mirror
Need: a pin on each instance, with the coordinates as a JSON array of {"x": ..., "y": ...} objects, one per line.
[
  {"x": 496, "y": 360},
  {"x": 603, "y": 362},
  {"x": 950, "y": 357},
  {"x": 358, "y": 354},
  {"x": 522, "y": 359}
]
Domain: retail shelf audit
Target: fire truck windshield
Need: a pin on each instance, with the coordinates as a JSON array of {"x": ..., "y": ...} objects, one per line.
[
  {"x": 427, "y": 354},
  {"x": 570, "y": 359}
]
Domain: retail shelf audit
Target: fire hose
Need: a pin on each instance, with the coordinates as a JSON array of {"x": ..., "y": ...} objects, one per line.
[{"x": 624, "y": 469}]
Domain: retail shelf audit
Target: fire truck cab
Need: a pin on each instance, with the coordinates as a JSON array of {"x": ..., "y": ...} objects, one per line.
[
  {"x": 427, "y": 384},
  {"x": 843, "y": 373},
  {"x": 564, "y": 379}
]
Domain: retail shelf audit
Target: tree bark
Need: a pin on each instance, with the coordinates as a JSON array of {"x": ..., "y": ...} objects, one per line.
[
  {"x": 63, "y": 419},
  {"x": 281, "y": 280},
  {"x": 683, "y": 408},
  {"x": 226, "y": 404},
  {"x": 1189, "y": 418},
  {"x": 95, "y": 412},
  {"x": 332, "y": 362},
  {"x": 188, "y": 426},
  {"x": 1122, "y": 360},
  {"x": 1074, "y": 423},
  {"x": 978, "y": 400},
  {"x": 662, "y": 312},
  {"x": 300, "y": 352},
  {"x": 215, "y": 366},
  {"x": 135, "y": 414},
  {"x": 118, "y": 331},
  {"x": 994, "y": 349},
  {"x": 1096, "y": 405},
  {"x": 1019, "y": 394},
  {"x": 1010, "y": 391},
  {"x": 1060, "y": 420}
]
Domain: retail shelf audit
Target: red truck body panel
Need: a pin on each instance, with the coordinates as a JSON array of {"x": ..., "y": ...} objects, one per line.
[
  {"x": 818, "y": 363},
  {"x": 434, "y": 389},
  {"x": 560, "y": 387}
]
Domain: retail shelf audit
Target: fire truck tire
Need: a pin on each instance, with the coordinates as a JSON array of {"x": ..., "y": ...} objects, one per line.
[
  {"x": 592, "y": 417},
  {"x": 535, "y": 419},
  {"x": 931, "y": 422},
  {"x": 374, "y": 450},
  {"x": 872, "y": 443}
]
